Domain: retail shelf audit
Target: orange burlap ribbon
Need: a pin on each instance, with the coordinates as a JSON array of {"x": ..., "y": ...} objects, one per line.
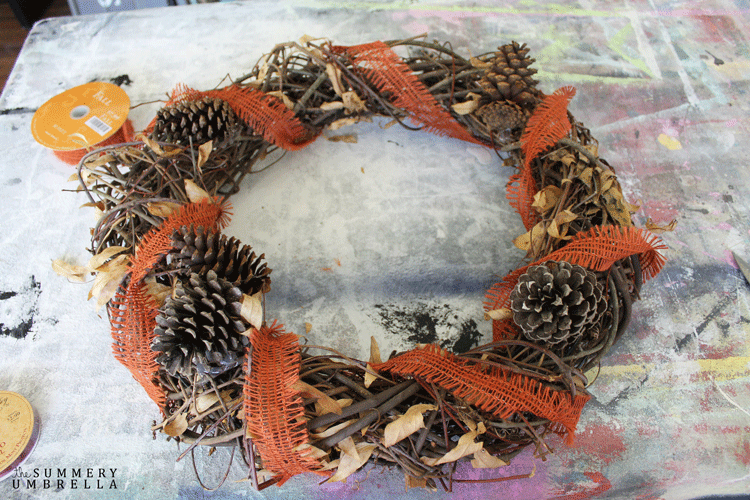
[{"x": 273, "y": 407}]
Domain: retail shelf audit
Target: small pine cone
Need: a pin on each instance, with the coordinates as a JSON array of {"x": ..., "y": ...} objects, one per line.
[
  {"x": 510, "y": 77},
  {"x": 227, "y": 257},
  {"x": 503, "y": 115},
  {"x": 204, "y": 120},
  {"x": 556, "y": 302},
  {"x": 198, "y": 329}
]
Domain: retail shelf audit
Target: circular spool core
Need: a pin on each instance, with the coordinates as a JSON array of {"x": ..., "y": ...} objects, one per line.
[
  {"x": 19, "y": 430},
  {"x": 81, "y": 117}
]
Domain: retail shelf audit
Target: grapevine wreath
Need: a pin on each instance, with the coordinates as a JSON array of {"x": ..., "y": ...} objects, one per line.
[{"x": 186, "y": 304}]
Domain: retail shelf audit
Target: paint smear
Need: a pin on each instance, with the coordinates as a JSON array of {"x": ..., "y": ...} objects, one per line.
[{"x": 669, "y": 142}]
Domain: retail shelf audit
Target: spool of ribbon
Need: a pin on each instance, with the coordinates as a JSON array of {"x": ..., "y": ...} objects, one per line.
[{"x": 81, "y": 119}]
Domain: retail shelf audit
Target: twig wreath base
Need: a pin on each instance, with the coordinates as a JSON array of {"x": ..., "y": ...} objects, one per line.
[{"x": 186, "y": 303}]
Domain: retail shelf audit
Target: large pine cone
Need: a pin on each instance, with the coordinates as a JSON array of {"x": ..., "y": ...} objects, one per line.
[
  {"x": 198, "y": 329},
  {"x": 202, "y": 120},
  {"x": 557, "y": 302},
  {"x": 198, "y": 251},
  {"x": 510, "y": 77}
]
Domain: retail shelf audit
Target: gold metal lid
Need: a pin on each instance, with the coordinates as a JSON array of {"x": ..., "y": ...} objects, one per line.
[{"x": 19, "y": 430}]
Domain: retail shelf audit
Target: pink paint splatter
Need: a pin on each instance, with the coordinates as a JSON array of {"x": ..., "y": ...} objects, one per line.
[{"x": 602, "y": 441}]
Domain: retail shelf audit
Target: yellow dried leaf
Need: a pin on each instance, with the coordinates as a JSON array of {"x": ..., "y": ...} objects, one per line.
[
  {"x": 308, "y": 327},
  {"x": 352, "y": 102},
  {"x": 483, "y": 460},
  {"x": 334, "y": 74},
  {"x": 349, "y": 138},
  {"x": 157, "y": 291},
  {"x": 464, "y": 108},
  {"x": 195, "y": 193},
  {"x": 477, "y": 63},
  {"x": 284, "y": 98},
  {"x": 327, "y": 403},
  {"x": 328, "y": 106},
  {"x": 351, "y": 460},
  {"x": 331, "y": 430},
  {"x": 70, "y": 271},
  {"x": 306, "y": 449},
  {"x": 617, "y": 207},
  {"x": 586, "y": 176},
  {"x": 106, "y": 283},
  {"x": 559, "y": 226},
  {"x": 498, "y": 314},
  {"x": 375, "y": 359},
  {"x": 252, "y": 309},
  {"x": 176, "y": 426},
  {"x": 406, "y": 425},
  {"x": 204, "y": 151},
  {"x": 97, "y": 262},
  {"x": 342, "y": 122},
  {"x": 547, "y": 198},
  {"x": 414, "y": 482},
  {"x": 162, "y": 208},
  {"x": 465, "y": 446},
  {"x": 657, "y": 228},
  {"x": 531, "y": 241}
]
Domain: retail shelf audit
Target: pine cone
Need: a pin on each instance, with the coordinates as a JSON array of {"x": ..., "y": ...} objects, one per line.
[
  {"x": 198, "y": 329},
  {"x": 204, "y": 120},
  {"x": 500, "y": 116},
  {"x": 227, "y": 257},
  {"x": 556, "y": 302},
  {"x": 510, "y": 78}
]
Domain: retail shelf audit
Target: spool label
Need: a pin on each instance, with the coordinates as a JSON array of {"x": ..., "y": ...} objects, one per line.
[
  {"x": 80, "y": 117},
  {"x": 16, "y": 428}
]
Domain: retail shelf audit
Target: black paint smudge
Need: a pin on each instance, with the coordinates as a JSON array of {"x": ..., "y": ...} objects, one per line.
[
  {"x": 29, "y": 296},
  {"x": 420, "y": 323}
]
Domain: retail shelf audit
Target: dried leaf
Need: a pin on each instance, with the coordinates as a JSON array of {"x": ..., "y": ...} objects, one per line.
[
  {"x": 252, "y": 309},
  {"x": 107, "y": 282},
  {"x": 204, "y": 151},
  {"x": 342, "y": 122},
  {"x": 483, "y": 460},
  {"x": 162, "y": 208},
  {"x": 176, "y": 426},
  {"x": 330, "y": 431},
  {"x": 352, "y": 102},
  {"x": 406, "y": 425},
  {"x": 306, "y": 449},
  {"x": 284, "y": 98},
  {"x": 414, "y": 482},
  {"x": 308, "y": 327},
  {"x": 96, "y": 262},
  {"x": 351, "y": 459},
  {"x": 70, "y": 271},
  {"x": 334, "y": 74},
  {"x": 195, "y": 193},
  {"x": 465, "y": 446},
  {"x": 327, "y": 403},
  {"x": 559, "y": 226},
  {"x": 157, "y": 291},
  {"x": 657, "y": 228},
  {"x": 375, "y": 359},
  {"x": 533, "y": 240},
  {"x": 477, "y": 63},
  {"x": 465, "y": 108},
  {"x": 547, "y": 198},
  {"x": 328, "y": 106},
  {"x": 498, "y": 314},
  {"x": 349, "y": 138}
]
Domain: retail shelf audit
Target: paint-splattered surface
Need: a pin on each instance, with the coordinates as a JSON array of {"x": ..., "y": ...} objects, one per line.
[{"x": 397, "y": 236}]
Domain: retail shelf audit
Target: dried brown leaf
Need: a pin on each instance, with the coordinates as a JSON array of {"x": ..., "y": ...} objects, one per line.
[
  {"x": 334, "y": 74},
  {"x": 194, "y": 192},
  {"x": 533, "y": 240},
  {"x": 483, "y": 460},
  {"x": 406, "y": 425},
  {"x": 465, "y": 446},
  {"x": 328, "y": 106},
  {"x": 559, "y": 226},
  {"x": 284, "y": 98},
  {"x": 252, "y": 309},
  {"x": 342, "y": 122},
  {"x": 97, "y": 262},
  {"x": 327, "y": 403},
  {"x": 204, "y": 151},
  {"x": 498, "y": 314},
  {"x": 352, "y": 458},
  {"x": 157, "y": 291},
  {"x": 352, "y": 102},
  {"x": 70, "y": 271},
  {"x": 330, "y": 431},
  {"x": 465, "y": 108},
  {"x": 162, "y": 208},
  {"x": 547, "y": 198},
  {"x": 177, "y": 426},
  {"x": 349, "y": 138},
  {"x": 375, "y": 359}
]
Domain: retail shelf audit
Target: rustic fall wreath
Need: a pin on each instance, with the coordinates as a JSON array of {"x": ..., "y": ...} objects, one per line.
[{"x": 186, "y": 302}]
